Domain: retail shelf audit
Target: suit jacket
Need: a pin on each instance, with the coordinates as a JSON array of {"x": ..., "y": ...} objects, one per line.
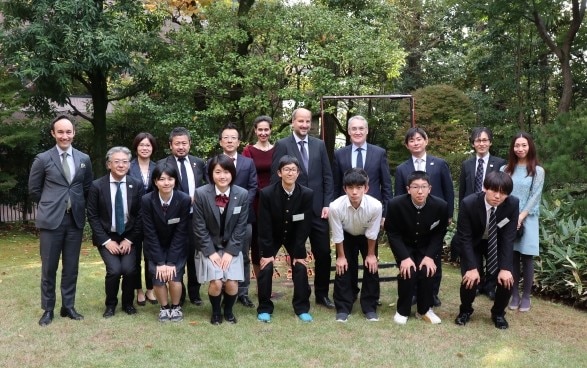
[
  {"x": 165, "y": 239},
  {"x": 100, "y": 210},
  {"x": 135, "y": 172},
  {"x": 376, "y": 167},
  {"x": 471, "y": 226},
  {"x": 197, "y": 165},
  {"x": 411, "y": 230},
  {"x": 319, "y": 179},
  {"x": 50, "y": 189},
  {"x": 206, "y": 221},
  {"x": 468, "y": 171},
  {"x": 440, "y": 179},
  {"x": 246, "y": 178},
  {"x": 277, "y": 227}
]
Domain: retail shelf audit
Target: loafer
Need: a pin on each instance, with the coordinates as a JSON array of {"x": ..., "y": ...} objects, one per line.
[
  {"x": 500, "y": 322},
  {"x": 463, "y": 318},
  {"x": 129, "y": 309},
  {"x": 264, "y": 317},
  {"x": 46, "y": 318},
  {"x": 230, "y": 318},
  {"x": 325, "y": 301},
  {"x": 196, "y": 301},
  {"x": 372, "y": 316},
  {"x": 305, "y": 317},
  {"x": 342, "y": 317},
  {"x": 216, "y": 319},
  {"x": 436, "y": 301},
  {"x": 244, "y": 300},
  {"x": 109, "y": 312},
  {"x": 71, "y": 313}
]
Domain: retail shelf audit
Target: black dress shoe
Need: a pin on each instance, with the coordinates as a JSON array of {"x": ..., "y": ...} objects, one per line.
[
  {"x": 500, "y": 322},
  {"x": 325, "y": 301},
  {"x": 129, "y": 309},
  {"x": 230, "y": 318},
  {"x": 109, "y": 312},
  {"x": 244, "y": 300},
  {"x": 463, "y": 318},
  {"x": 216, "y": 319},
  {"x": 46, "y": 318},
  {"x": 142, "y": 303},
  {"x": 71, "y": 313},
  {"x": 490, "y": 294},
  {"x": 197, "y": 301},
  {"x": 436, "y": 301}
]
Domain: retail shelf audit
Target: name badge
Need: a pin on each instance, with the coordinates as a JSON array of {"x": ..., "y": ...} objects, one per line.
[
  {"x": 434, "y": 224},
  {"x": 503, "y": 222},
  {"x": 237, "y": 210},
  {"x": 298, "y": 217},
  {"x": 173, "y": 221}
]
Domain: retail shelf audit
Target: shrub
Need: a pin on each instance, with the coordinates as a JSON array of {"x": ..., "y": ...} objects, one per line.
[{"x": 561, "y": 270}]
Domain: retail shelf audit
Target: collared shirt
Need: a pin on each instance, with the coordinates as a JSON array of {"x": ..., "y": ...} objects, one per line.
[
  {"x": 166, "y": 202},
  {"x": 113, "y": 190},
  {"x": 355, "y": 152},
  {"x": 70, "y": 161},
  {"x": 298, "y": 139},
  {"x": 364, "y": 220},
  {"x": 422, "y": 164}
]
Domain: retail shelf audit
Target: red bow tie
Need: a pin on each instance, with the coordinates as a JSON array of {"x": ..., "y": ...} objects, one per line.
[{"x": 221, "y": 200}]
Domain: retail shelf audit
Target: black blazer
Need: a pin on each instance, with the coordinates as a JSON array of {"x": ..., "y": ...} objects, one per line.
[
  {"x": 376, "y": 167},
  {"x": 319, "y": 179},
  {"x": 277, "y": 227},
  {"x": 165, "y": 236},
  {"x": 440, "y": 179},
  {"x": 468, "y": 171},
  {"x": 99, "y": 209},
  {"x": 197, "y": 165},
  {"x": 471, "y": 226},
  {"x": 135, "y": 172},
  {"x": 411, "y": 230}
]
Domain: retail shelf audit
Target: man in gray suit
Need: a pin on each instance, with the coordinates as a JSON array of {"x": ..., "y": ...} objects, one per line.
[
  {"x": 59, "y": 182},
  {"x": 316, "y": 174}
]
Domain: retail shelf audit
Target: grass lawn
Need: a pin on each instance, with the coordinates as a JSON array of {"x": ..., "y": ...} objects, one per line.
[{"x": 550, "y": 335}]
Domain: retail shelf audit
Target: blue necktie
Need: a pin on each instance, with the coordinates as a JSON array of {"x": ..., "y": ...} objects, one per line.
[
  {"x": 359, "y": 158},
  {"x": 185, "y": 187},
  {"x": 119, "y": 210}
]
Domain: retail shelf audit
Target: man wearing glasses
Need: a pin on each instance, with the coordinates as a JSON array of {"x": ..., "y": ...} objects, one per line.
[{"x": 416, "y": 224}]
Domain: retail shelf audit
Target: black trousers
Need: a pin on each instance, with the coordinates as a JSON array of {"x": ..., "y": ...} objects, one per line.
[
  {"x": 502, "y": 295},
  {"x": 344, "y": 292},
  {"x": 302, "y": 291},
  {"x": 193, "y": 289},
  {"x": 65, "y": 243},
  {"x": 320, "y": 244},
  {"x": 119, "y": 266},
  {"x": 423, "y": 285},
  {"x": 488, "y": 281},
  {"x": 138, "y": 274}
]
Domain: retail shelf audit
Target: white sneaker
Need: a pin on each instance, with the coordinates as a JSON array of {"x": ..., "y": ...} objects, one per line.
[
  {"x": 164, "y": 315},
  {"x": 430, "y": 316},
  {"x": 399, "y": 319},
  {"x": 176, "y": 314}
]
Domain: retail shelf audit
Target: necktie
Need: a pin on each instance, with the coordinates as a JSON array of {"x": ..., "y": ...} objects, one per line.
[
  {"x": 119, "y": 210},
  {"x": 185, "y": 187},
  {"x": 419, "y": 164},
  {"x": 479, "y": 177},
  {"x": 67, "y": 173},
  {"x": 492, "y": 243},
  {"x": 304, "y": 154},
  {"x": 359, "y": 158},
  {"x": 164, "y": 207}
]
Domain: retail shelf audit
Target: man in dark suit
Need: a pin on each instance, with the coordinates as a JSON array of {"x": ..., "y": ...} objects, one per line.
[
  {"x": 473, "y": 171},
  {"x": 373, "y": 160},
  {"x": 437, "y": 169},
  {"x": 285, "y": 218},
  {"x": 487, "y": 224},
  {"x": 246, "y": 178},
  {"x": 191, "y": 171},
  {"x": 415, "y": 228},
  {"x": 113, "y": 214},
  {"x": 316, "y": 174},
  {"x": 59, "y": 182}
]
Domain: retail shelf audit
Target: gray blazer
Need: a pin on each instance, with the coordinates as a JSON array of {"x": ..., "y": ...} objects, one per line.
[
  {"x": 50, "y": 189},
  {"x": 206, "y": 220}
]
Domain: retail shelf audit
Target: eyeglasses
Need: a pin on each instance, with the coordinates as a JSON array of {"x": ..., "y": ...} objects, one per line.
[
  {"x": 419, "y": 187},
  {"x": 120, "y": 162},
  {"x": 484, "y": 140},
  {"x": 288, "y": 170},
  {"x": 230, "y": 138}
]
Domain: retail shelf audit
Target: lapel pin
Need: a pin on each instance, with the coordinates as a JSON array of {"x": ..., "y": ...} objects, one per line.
[{"x": 82, "y": 165}]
